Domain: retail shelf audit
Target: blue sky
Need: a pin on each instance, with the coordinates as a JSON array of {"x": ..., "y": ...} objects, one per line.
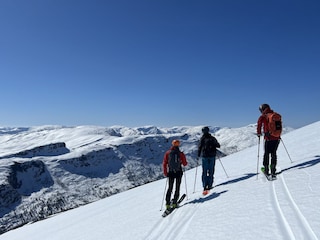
[{"x": 163, "y": 63}]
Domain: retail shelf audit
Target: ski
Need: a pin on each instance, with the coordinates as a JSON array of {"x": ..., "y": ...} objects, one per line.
[{"x": 170, "y": 210}]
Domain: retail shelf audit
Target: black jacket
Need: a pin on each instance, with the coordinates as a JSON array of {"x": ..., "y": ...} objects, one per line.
[{"x": 208, "y": 146}]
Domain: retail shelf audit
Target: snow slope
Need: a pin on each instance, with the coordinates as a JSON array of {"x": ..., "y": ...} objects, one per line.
[
  {"x": 241, "y": 206},
  {"x": 46, "y": 170}
]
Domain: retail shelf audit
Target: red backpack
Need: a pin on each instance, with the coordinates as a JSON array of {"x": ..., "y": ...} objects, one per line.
[{"x": 274, "y": 124}]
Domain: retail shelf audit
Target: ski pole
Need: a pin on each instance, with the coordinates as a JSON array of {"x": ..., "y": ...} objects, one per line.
[
  {"x": 286, "y": 150},
  {"x": 195, "y": 177},
  {"x": 258, "y": 157},
  {"x": 223, "y": 166},
  {"x": 164, "y": 192},
  {"x": 185, "y": 182}
]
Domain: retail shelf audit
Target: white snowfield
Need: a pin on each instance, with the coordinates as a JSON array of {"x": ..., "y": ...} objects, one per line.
[{"x": 241, "y": 206}]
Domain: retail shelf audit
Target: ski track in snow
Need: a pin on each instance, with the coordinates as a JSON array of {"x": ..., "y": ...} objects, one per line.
[
  {"x": 171, "y": 227},
  {"x": 299, "y": 216},
  {"x": 295, "y": 225},
  {"x": 287, "y": 231}
]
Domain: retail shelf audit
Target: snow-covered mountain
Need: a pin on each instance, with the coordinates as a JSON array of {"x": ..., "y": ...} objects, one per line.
[{"x": 49, "y": 169}]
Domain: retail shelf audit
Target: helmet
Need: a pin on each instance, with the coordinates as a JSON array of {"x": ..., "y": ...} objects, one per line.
[
  {"x": 205, "y": 130},
  {"x": 263, "y": 107},
  {"x": 176, "y": 143}
]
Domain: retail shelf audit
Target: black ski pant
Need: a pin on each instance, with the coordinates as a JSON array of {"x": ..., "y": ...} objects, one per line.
[
  {"x": 173, "y": 177},
  {"x": 270, "y": 148}
]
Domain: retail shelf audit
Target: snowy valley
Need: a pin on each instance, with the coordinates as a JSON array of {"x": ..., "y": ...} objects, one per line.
[
  {"x": 49, "y": 169},
  {"x": 70, "y": 175}
]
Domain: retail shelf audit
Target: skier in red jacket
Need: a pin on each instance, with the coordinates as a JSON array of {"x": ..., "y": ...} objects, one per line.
[
  {"x": 173, "y": 170},
  {"x": 271, "y": 142}
]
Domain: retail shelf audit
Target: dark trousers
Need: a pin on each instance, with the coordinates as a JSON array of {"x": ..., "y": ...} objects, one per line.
[
  {"x": 208, "y": 166},
  {"x": 173, "y": 177},
  {"x": 270, "y": 148}
]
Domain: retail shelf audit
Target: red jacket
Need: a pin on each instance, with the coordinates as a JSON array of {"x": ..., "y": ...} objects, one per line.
[
  {"x": 166, "y": 158},
  {"x": 262, "y": 122}
]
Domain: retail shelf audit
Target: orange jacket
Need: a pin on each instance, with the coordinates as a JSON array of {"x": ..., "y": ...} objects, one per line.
[
  {"x": 263, "y": 122},
  {"x": 166, "y": 158}
]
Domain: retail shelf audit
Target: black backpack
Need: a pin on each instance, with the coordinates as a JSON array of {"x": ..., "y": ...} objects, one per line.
[
  {"x": 174, "y": 161},
  {"x": 209, "y": 146}
]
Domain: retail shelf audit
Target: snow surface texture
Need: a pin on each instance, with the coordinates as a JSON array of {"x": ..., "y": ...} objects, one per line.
[
  {"x": 242, "y": 206},
  {"x": 49, "y": 169}
]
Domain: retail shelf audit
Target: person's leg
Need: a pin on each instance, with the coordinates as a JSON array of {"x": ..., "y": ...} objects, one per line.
[
  {"x": 205, "y": 169},
  {"x": 177, "y": 191},
  {"x": 211, "y": 165},
  {"x": 214, "y": 164},
  {"x": 169, "y": 191},
  {"x": 266, "y": 156},
  {"x": 273, "y": 150}
]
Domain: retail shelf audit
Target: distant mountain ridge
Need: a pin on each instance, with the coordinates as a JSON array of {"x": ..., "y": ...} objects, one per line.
[{"x": 48, "y": 169}]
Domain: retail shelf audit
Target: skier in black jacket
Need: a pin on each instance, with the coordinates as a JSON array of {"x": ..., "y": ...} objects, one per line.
[{"x": 207, "y": 149}]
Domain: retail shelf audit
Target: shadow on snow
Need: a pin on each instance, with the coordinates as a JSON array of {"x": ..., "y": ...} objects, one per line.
[
  {"x": 206, "y": 198},
  {"x": 303, "y": 165},
  {"x": 217, "y": 194},
  {"x": 245, "y": 177}
]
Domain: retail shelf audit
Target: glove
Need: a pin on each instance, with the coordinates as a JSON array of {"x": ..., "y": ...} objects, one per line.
[
  {"x": 259, "y": 135},
  {"x": 267, "y": 134}
]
